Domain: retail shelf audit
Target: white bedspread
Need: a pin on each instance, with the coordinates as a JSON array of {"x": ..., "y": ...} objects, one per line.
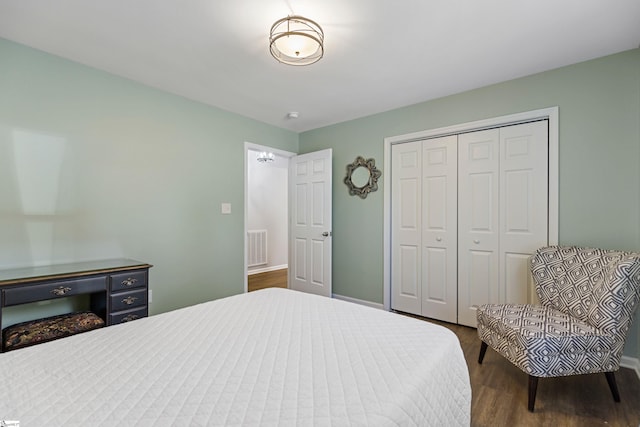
[{"x": 273, "y": 357}]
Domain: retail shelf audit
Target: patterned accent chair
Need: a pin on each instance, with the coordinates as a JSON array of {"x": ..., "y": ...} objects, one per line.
[{"x": 588, "y": 298}]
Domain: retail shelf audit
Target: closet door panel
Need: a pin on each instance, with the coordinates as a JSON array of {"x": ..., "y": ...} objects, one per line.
[
  {"x": 515, "y": 278},
  {"x": 406, "y": 228},
  {"x": 439, "y": 225},
  {"x": 523, "y": 205},
  {"x": 434, "y": 278},
  {"x": 478, "y": 222},
  {"x": 480, "y": 273},
  {"x": 408, "y": 279}
]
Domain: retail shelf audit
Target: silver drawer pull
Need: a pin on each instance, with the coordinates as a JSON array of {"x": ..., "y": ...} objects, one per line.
[
  {"x": 60, "y": 290},
  {"x": 129, "y": 318},
  {"x": 129, "y": 300},
  {"x": 129, "y": 282}
]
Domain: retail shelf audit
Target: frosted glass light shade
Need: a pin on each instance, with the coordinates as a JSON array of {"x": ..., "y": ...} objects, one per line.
[{"x": 296, "y": 40}]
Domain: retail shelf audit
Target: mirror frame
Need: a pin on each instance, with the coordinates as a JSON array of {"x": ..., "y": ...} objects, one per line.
[{"x": 372, "y": 182}]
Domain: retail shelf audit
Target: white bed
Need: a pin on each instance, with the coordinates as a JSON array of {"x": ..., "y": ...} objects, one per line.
[{"x": 273, "y": 357}]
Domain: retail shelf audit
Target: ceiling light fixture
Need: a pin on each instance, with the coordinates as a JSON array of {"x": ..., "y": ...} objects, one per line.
[
  {"x": 295, "y": 40},
  {"x": 264, "y": 157}
]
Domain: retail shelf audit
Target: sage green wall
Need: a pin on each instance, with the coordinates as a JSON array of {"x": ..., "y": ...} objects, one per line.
[
  {"x": 96, "y": 166},
  {"x": 141, "y": 173},
  {"x": 599, "y": 107}
]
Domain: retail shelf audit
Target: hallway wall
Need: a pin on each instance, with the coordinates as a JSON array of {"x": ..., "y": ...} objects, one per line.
[{"x": 267, "y": 207}]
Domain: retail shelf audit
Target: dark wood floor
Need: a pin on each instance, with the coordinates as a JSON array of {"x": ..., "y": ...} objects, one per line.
[
  {"x": 500, "y": 389},
  {"x": 500, "y": 393}
]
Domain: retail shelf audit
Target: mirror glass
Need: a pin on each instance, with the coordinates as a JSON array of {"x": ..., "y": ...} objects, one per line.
[{"x": 360, "y": 176}]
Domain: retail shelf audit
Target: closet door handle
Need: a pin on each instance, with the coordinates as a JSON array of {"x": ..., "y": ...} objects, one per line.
[
  {"x": 476, "y": 241},
  {"x": 438, "y": 239}
]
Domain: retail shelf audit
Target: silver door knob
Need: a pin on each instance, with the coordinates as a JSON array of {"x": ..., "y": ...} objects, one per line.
[
  {"x": 476, "y": 241},
  {"x": 326, "y": 234},
  {"x": 439, "y": 239}
]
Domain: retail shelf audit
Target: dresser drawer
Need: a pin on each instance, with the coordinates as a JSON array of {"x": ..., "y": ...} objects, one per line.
[
  {"x": 127, "y": 315},
  {"x": 129, "y": 299},
  {"x": 52, "y": 290},
  {"x": 129, "y": 280}
]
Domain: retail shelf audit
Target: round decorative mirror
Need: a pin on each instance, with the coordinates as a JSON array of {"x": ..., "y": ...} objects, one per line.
[{"x": 362, "y": 177}]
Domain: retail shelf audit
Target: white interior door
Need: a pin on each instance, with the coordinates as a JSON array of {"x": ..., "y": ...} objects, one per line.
[
  {"x": 478, "y": 222},
  {"x": 502, "y": 214},
  {"x": 524, "y": 206},
  {"x": 310, "y": 222},
  {"x": 406, "y": 247},
  {"x": 439, "y": 228}
]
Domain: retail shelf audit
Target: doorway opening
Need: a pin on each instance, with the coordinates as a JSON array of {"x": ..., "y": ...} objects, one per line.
[{"x": 266, "y": 217}]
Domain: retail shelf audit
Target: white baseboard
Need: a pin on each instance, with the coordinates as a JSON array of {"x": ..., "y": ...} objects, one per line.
[
  {"x": 631, "y": 363},
  {"x": 266, "y": 269},
  {"x": 359, "y": 301}
]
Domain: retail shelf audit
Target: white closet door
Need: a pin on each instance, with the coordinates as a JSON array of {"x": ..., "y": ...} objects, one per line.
[
  {"x": 492, "y": 185},
  {"x": 406, "y": 229},
  {"x": 478, "y": 222},
  {"x": 439, "y": 233},
  {"x": 523, "y": 206}
]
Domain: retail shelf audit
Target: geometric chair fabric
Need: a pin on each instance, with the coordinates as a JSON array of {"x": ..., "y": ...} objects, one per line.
[{"x": 587, "y": 302}]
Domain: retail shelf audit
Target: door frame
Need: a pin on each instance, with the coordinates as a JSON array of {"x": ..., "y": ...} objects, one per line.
[
  {"x": 551, "y": 114},
  {"x": 257, "y": 147}
]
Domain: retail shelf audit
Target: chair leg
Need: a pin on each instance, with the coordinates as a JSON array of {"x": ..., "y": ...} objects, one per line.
[
  {"x": 533, "y": 388},
  {"x": 611, "y": 379},
  {"x": 483, "y": 350}
]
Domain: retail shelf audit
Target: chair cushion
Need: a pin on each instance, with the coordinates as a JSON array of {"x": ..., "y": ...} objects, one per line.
[
  {"x": 545, "y": 342},
  {"x": 42, "y": 330}
]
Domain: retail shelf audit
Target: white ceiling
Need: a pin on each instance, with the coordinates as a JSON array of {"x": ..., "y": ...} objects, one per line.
[{"x": 379, "y": 54}]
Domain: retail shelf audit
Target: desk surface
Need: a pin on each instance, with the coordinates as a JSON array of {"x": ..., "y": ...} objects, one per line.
[{"x": 54, "y": 271}]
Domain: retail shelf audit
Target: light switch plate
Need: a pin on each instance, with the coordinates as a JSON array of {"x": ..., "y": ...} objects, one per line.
[{"x": 225, "y": 208}]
